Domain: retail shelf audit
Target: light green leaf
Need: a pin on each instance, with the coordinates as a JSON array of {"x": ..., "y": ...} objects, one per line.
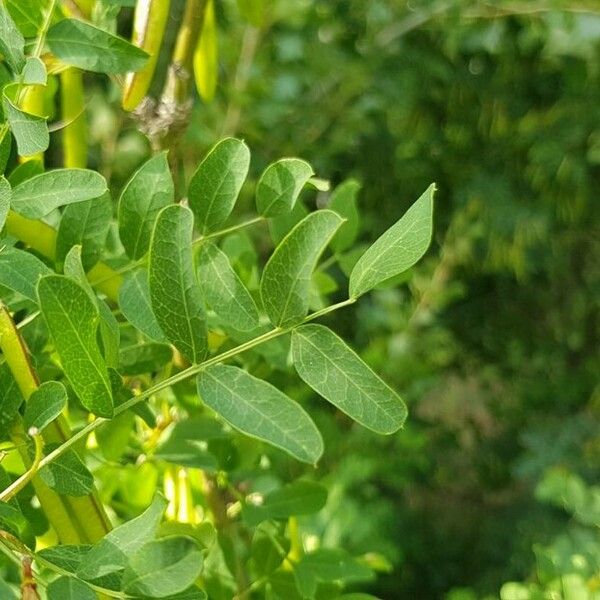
[
  {"x": 252, "y": 11},
  {"x": 82, "y": 45},
  {"x": 285, "y": 282},
  {"x": 280, "y": 185},
  {"x": 111, "y": 553},
  {"x": 11, "y": 41},
  {"x": 5, "y": 195},
  {"x": 343, "y": 202},
  {"x": 30, "y": 131},
  {"x": 69, "y": 588},
  {"x": 40, "y": 195},
  {"x": 67, "y": 557},
  {"x": 398, "y": 249},
  {"x": 26, "y": 170},
  {"x": 297, "y": 498},
  {"x": 34, "y": 72},
  {"x": 215, "y": 185},
  {"x": 260, "y": 410},
  {"x": 144, "y": 358},
  {"x": 67, "y": 474},
  {"x": 174, "y": 292},
  {"x": 332, "y": 369},
  {"x": 20, "y": 271},
  {"x": 72, "y": 320},
  {"x": 109, "y": 326},
  {"x": 148, "y": 191},
  {"x": 224, "y": 291},
  {"x": 280, "y": 226},
  {"x": 163, "y": 567},
  {"x": 28, "y": 15},
  {"x": 45, "y": 404},
  {"x": 134, "y": 301},
  {"x": 84, "y": 223}
]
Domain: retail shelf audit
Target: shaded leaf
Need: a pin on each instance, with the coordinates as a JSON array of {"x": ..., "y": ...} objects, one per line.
[
  {"x": 224, "y": 291},
  {"x": 343, "y": 202},
  {"x": 280, "y": 185},
  {"x": 67, "y": 474},
  {"x": 148, "y": 191},
  {"x": 83, "y": 45},
  {"x": 20, "y": 271},
  {"x": 10, "y": 395},
  {"x": 72, "y": 320},
  {"x": 45, "y": 404},
  {"x": 285, "y": 282},
  {"x": 174, "y": 292},
  {"x": 69, "y": 588},
  {"x": 143, "y": 358}
]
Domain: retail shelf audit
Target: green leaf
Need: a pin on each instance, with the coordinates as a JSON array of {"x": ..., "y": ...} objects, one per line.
[
  {"x": 20, "y": 271},
  {"x": 11, "y": 41},
  {"x": 328, "y": 565},
  {"x": 280, "y": 185},
  {"x": 10, "y": 395},
  {"x": 67, "y": 557},
  {"x": 269, "y": 548},
  {"x": 134, "y": 301},
  {"x": 398, "y": 249},
  {"x": 5, "y": 148},
  {"x": 224, "y": 291},
  {"x": 45, "y": 404},
  {"x": 285, "y": 282},
  {"x": 72, "y": 320},
  {"x": 110, "y": 555},
  {"x": 70, "y": 588},
  {"x": 28, "y": 15},
  {"x": 30, "y": 131},
  {"x": 343, "y": 202},
  {"x": 109, "y": 326},
  {"x": 24, "y": 171},
  {"x": 82, "y": 45},
  {"x": 332, "y": 369},
  {"x": 86, "y": 224},
  {"x": 40, "y": 195},
  {"x": 163, "y": 567},
  {"x": 215, "y": 185},
  {"x": 144, "y": 358},
  {"x": 252, "y": 11},
  {"x": 260, "y": 410},
  {"x": 148, "y": 191},
  {"x": 67, "y": 474},
  {"x": 174, "y": 292},
  {"x": 280, "y": 226},
  {"x": 297, "y": 498},
  {"x": 34, "y": 72}
]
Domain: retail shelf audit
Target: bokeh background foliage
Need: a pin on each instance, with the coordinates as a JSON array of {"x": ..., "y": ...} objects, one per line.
[{"x": 491, "y": 489}]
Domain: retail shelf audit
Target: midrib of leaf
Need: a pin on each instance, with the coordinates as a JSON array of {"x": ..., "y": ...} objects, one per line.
[
  {"x": 184, "y": 289},
  {"x": 257, "y": 412},
  {"x": 146, "y": 210},
  {"x": 88, "y": 44},
  {"x": 278, "y": 194},
  {"x": 347, "y": 378}
]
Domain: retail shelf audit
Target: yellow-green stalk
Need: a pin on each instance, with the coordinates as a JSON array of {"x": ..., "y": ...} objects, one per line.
[
  {"x": 74, "y": 133},
  {"x": 205, "y": 55}
]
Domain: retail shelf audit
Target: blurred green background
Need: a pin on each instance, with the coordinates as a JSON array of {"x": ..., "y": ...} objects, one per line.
[{"x": 492, "y": 487}]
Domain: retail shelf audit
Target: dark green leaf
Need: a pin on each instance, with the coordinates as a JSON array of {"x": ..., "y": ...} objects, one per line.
[
  {"x": 72, "y": 319},
  {"x": 224, "y": 291},
  {"x": 398, "y": 249},
  {"x": 163, "y": 567},
  {"x": 20, "y": 271},
  {"x": 269, "y": 548},
  {"x": 144, "y": 358},
  {"x": 134, "y": 301},
  {"x": 285, "y": 282},
  {"x": 86, "y": 224},
  {"x": 82, "y": 45},
  {"x": 260, "y": 410},
  {"x": 280, "y": 185},
  {"x": 146, "y": 193},
  {"x": 66, "y": 557},
  {"x": 69, "y": 588},
  {"x": 67, "y": 474},
  {"x": 10, "y": 395},
  {"x": 40, "y": 195},
  {"x": 174, "y": 292},
  {"x": 343, "y": 202},
  {"x": 45, "y": 404},
  {"x": 215, "y": 186},
  {"x": 332, "y": 369}
]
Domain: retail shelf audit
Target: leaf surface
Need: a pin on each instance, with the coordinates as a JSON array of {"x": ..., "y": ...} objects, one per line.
[
  {"x": 70, "y": 588},
  {"x": 72, "y": 320},
  {"x": 398, "y": 249},
  {"x": 174, "y": 292},
  {"x": 332, "y": 369},
  {"x": 20, "y": 271},
  {"x": 285, "y": 282},
  {"x": 45, "y": 404},
  {"x": 260, "y": 410}
]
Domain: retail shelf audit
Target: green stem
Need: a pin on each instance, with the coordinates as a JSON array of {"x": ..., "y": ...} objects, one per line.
[
  {"x": 183, "y": 375},
  {"x": 41, "y": 38},
  {"x": 20, "y": 483}
]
